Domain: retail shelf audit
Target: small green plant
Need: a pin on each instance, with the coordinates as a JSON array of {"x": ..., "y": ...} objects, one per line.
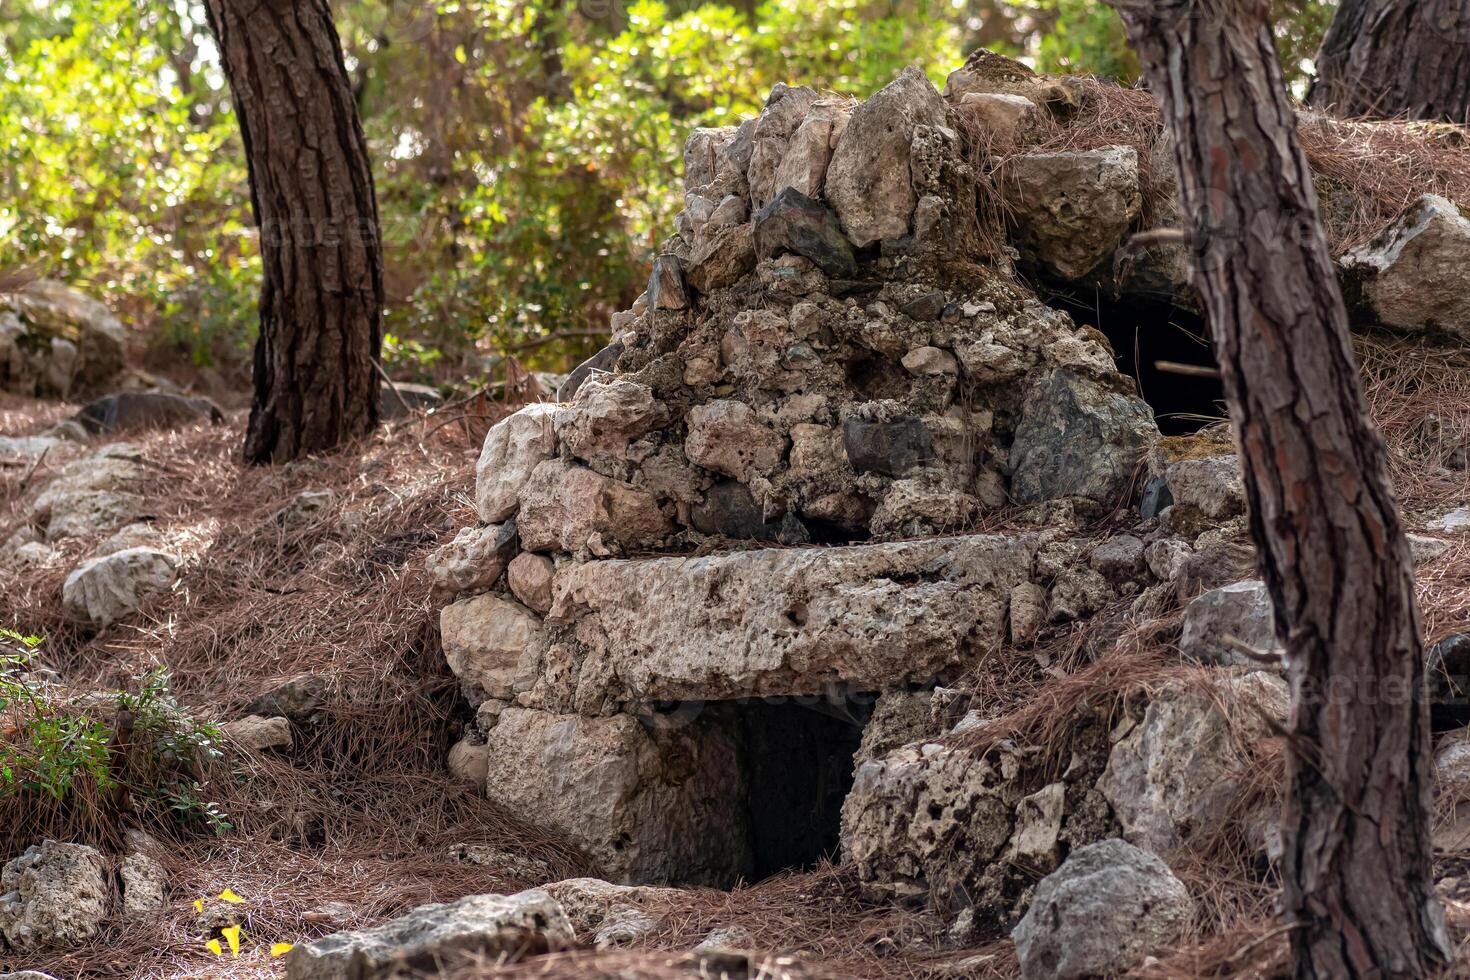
[
  {"x": 58, "y": 747},
  {"x": 44, "y": 750}
]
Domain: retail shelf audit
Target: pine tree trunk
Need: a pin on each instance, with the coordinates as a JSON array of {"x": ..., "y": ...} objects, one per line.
[
  {"x": 1408, "y": 58},
  {"x": 1356, "y": 868},
  {"x": 316, "y": 380}
]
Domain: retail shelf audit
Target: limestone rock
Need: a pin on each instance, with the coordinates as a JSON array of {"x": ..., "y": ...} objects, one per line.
[
  {"x": 785, "y": 621},
  {"x": 1028, "y": 612},
  {"x": 899, "y": 717},
  {"x": 868, "y": 180},
  {"x": 144, "y": 885},
  {"x": 644, "y": 803},
  {"x": 925, "y": 820},
  {"x": 1211, "y": 485},
  {"x": 1106, "y": 908},
  {"x": 702, "y": 154},
  {"x": 574, "y": 509},
  {"x": 722, "y": 260},
  {"x": 513, "y": 447},
  {"x": 53, "y": 895},
  {"x": 808, "y": 152},
  {"x": 1118, "y": 558},
  {"x": 1006, "y": 120},
  {"x": 469, "y": 762},
  {"x": 131, "y": 536},
  {"x": 1412, "y": 276},
  {"x": 794, "y": 223},
  {"x": 604, "y": 417},
  {"x": 1077, "y": 438},
  {"x": 57, "y": 342},
  {"x": 531, "y": 578},
  {"x": 103, "y": 590},
  {"x": 488, "y": 642},
  {"x": 473, "y": 561},
  {"x": 306, "y": 509},
  {"x": 1072, "y": 209},
  {"x": 92, "y": 494},
  {"x": 930, "y": 362},
  {"x": 785, "y": 110},
  {"x": 1180, "y": 769},
  {"x": 725, "y": 436},
  {"x": 423, "y": 939},
  {"x": 590, "y": 901},
  {"x": 257, "y": 733},
  {"x": 1242, "y": 610},
  {"x": 912, "y": 508},
  {"x": 666, "y": 284}
]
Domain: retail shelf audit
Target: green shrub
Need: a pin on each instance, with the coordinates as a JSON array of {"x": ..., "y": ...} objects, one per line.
[{"x": 70, "y": 754}]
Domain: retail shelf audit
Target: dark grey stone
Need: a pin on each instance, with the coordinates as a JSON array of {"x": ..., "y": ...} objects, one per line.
[
  {"x": 927, "y": 307},
  {"x": 418, "y": 397},
  {"x": 890, "y": 448},
  {"x": 1156, "y": 496},
  {"x": 729, "y": 510},
  {"x": 603, "y": 360},
  {"x": 146, "y": 410},
  {"x": 797, "y": 224}
]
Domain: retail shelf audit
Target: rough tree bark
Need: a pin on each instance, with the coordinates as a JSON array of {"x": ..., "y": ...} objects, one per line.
[
  {"x": 1356, "y": 868},
  {"x": 1407, "y": 58},
  {"x": 316, "y": 374}
]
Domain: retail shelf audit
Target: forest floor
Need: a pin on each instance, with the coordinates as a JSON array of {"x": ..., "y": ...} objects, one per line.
[{"x": 359, "y": 821}]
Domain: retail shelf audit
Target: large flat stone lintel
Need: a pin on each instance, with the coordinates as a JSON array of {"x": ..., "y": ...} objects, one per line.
[{"x": 779, "y": 621}]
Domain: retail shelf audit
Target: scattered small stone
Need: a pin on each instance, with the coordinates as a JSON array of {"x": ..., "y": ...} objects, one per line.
[
  {"x": 103, "y": 590},
  {"x": 258, "y": 733},
  {"x": 479, "y": 925},
  {"x": 144, "y": 885},
  {"x": 1106, "y": 908},
  {"x": 53, "y": 895}
]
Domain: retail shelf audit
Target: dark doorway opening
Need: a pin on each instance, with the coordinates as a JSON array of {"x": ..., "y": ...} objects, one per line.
[
  {"x": 797, "y": 754},
  {"x": 1163, "y": 347}
]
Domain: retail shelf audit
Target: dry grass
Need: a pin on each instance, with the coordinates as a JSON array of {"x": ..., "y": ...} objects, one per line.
[{"x": 1367, "y": 172}]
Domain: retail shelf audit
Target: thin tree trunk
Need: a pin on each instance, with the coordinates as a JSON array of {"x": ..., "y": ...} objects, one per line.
[
  {"x": 1356, "y": 867},
  {"x": 316, "y": 383},
  {"x": 1407, "y": 58}
]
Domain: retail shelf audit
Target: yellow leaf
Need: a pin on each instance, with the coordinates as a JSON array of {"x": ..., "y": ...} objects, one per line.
[
  {"x": 229, "y": 895},
  {"x": 232, "y": 936},
  {"x": 459, "y": 54},
  {"x": 281, "y": 949},
  {"x": 198, "y": 905},
  {"x": 214, "y": 947}
]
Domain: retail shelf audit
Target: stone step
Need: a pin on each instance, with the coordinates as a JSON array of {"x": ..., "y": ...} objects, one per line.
[{"x": 776, "y": 621}]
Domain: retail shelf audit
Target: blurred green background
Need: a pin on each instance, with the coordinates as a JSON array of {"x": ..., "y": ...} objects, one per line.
[{"x": 527, "y": 155}]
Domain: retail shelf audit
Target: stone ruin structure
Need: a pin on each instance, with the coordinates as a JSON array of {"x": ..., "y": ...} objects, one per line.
[{"x": 837, "y": 459}]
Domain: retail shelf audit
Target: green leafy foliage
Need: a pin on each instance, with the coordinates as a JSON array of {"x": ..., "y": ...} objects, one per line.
[
  {"x": 70, "y": 750},
  {"x": 527, "y": 154}
]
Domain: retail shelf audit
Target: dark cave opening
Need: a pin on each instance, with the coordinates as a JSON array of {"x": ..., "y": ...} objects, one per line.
[
  {"x": 1163, "y": 347},
  {"x": 798, "y": 758}
]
